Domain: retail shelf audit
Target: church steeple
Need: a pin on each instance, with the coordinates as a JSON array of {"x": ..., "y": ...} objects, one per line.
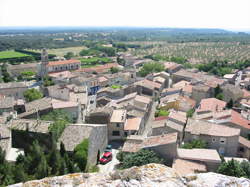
[{"x": 44, "y": 62}]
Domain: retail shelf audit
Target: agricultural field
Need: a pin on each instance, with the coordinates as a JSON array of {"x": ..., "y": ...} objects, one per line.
[
  {"x": 196, "y": 52},
  {"x": 11, "y": 54},
  {"x": 62, "y": 51},
  {"x": 90, "y": 62}
]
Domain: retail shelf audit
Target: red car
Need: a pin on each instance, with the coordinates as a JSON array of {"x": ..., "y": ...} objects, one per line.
[{"x": 107, "y": 157}]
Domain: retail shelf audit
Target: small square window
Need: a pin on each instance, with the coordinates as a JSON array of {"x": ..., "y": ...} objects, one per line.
[
  {"x": 116, "y": 133},
  {"x": 213, "y": 140},
  {"x": 117, "y": 125}
]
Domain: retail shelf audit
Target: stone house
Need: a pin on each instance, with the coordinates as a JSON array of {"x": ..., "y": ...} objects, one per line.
[
  {"x": 175, "y": 122},
  {"x": 62, "y": 77},
  {"x": 13, "y": 89},
  {"x": 222, "y": 138},
  {"x": 172, "y": 67},
  {"x": 200, "y": 92},
  {"x": 96, "y": 134},
  {"x": 233, "y": 119},
  {"x": 57, "y": 66},
  {"x": 164, "y": 145},
  {"x": 7, "y": 105},
  {"x": 117, "y": 124},
  {"x": 244, "y": 148},
  {"x": 5, "y": 139},
  {"x": 208, "y": 157},
  {"x": 231, "y": 92},
  {"x": 148, "y": 87}
]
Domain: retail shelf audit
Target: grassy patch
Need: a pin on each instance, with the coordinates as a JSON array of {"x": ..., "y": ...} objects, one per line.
[
  {"x": 95, "y": 60},
  {"x": 115, "y": 86},
  {"x": 11, "y": 54},
  {"x": 161, "y": 112}
]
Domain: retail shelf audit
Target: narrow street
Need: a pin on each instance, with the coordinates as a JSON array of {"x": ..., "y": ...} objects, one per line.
[
  {"x": 148, "y": 125},
  {"x": 111, "y": 165}
]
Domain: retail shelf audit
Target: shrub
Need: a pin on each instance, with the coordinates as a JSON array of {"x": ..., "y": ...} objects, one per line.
[
  {"x": 195, "y": 144},
  {"x": 81, "y": 154},
  {"x": 32, "y": 94},
  {"x": 151, "y": 68},
  {"x": 140, "y": 158},
  {"x": 231, "y": 168}
]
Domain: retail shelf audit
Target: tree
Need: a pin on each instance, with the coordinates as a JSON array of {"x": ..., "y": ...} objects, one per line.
[
  {"x": 190, "y": 113},
  {"x": 47, "y": 81},
  {"x": 245, "y": 165},
  {"x": 140, "y": 158},
  {"x": 151, "y": 67},
  {"x": 32, "y": 94},
  {"x": 114, "y": 70},
  {"x": 220, "y": 96},
  {"x": 42, "y": 169},
  {"x": 200, "y": 144},
  {"x": 231, "y": 168},
  {"x": 62, "y": 149},
  {"x": 81, "y": 154},
  {"x": 230, "y": 103},
  {"x": 217, "y": 90},
  {"x": 69, "y": 55}
]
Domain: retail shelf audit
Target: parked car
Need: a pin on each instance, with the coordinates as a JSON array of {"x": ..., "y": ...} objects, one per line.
[
  {"x": 107, "y": 157},
  {"x": 108, "y": 148}
]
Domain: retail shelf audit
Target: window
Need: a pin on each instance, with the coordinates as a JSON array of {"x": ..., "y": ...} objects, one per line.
[
  {"x": 213, "y": 140},
  {"x": 222, "y": 140},
  {"x": 117, "y": 125},
  {"x": 125, "y": 133},
  {"x": 241, "y": 149},
  {"x": 116, "y": 133}
]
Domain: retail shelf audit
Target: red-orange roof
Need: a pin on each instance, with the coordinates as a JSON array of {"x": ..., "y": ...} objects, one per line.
[
  {"x": 211, "y": 104},
  {"x": 62, "y": 62},
  {"x": 237, "y": 119}
]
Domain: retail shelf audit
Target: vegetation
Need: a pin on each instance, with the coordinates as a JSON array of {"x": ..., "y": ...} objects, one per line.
[
  {"x": 81, "y": 154},
  {"x": 61, "y": 119},
  {"x": 195, "y": 144},
  {"x": 158, "y": 57},
  {"x": 139, "y": 158},
  {"x": 26, "y": 75},
  {"x": 69, "y": 55},
  {"x": 95, "y": 61},
  {"x": 234, "y": 168},
  {"x": 161, "y": 112},
  {"x": 38, "y": 163},
  {"x": 11, "y": 54},
  {"x": 116, "y": 86},
  {"x": 114, "y": 70},
  {"x": 89, "y": 52},
  {"x": 218, "y": 93},
  {"x": 151, "y": 67},
  {"x": 222, "y": 67},
  {"x": 47, "y": 81},
  {"x": 5, "y": 75},
  {"x": 32, "y": 94},
  {"x": 230, "y": 103},
  {"x": 190, "y": 113}
]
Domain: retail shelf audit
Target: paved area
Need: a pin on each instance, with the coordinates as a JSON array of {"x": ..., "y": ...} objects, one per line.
[
  {"x": 116, "y": 147},
  {"x": 111, "y": 165}
]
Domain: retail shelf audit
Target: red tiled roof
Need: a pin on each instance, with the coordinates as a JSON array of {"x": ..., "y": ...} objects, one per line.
[
  {"x": 246, "y": 94},
  {"x": 161, "y": 118},
  {"x": 237, "y": 119},
  {"x": 62, "y": 62},
  {"x": 211, "y": 104}
]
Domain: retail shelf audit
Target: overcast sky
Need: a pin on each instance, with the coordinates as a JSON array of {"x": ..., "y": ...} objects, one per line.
[{"x": 227, "y": 14}]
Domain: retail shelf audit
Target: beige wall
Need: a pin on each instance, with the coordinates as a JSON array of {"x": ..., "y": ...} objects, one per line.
[{"x": 17, "y": 93}]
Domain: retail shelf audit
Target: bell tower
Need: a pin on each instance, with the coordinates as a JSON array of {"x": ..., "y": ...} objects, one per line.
[{"x": 44, "y": 62}]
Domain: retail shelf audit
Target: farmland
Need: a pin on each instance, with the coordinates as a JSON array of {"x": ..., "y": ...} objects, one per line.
[
  {"x": 196, "y": 52},
  {"x": 90, "y": 62},
  {"x": 62, "y": 51},
  {"x": 11, "y": 54}
]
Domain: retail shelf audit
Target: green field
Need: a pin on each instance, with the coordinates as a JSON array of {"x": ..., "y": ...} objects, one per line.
[
  {"x": 11, "y": 54},
  {"x": 95, "y": 60}
]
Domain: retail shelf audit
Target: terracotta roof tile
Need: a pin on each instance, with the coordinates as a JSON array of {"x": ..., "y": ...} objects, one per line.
[{"x": 132, "y": 124}]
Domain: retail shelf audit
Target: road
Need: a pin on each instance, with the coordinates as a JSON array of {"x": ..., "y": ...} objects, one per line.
[{"x": 111, "y": 165}]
